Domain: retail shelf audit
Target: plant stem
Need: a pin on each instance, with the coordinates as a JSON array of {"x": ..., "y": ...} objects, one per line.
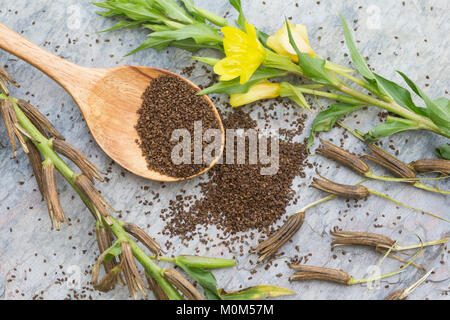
[
  {"x": 330, "y": 95},
  {"x": 424, "y": 187},
  {"x": 425, "y": 244},
  {"x": 44, "y": 146}
]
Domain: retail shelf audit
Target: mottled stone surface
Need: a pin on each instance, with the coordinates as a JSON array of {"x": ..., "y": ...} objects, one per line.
[{"x": 34, "y": 261}]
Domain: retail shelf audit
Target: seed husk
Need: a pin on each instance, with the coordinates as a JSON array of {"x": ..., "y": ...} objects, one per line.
[
  {"x": 341, "y": 190},
  {"x": 105, "y": 240},
  {"x": 39, "y": 120},
  {"x": 270, "y": 246},
  {"x": 55, "y": 210},
  {"x": 342, "y": 156},
  {"x": 156, "y": 288},
  {"x": 317, "y": 273},
  {"x": 143, "y": 237},
  {"x": 343, "y": 238},
  {"x": 81, "y": 161},
  {"x": 431, "y": 165},
  {"x": 396, "y": 295},
  {"x": 132, "y": 277},
  {"x": 108, "y": 282},
  {"x": 87, "y": 187},
  {"x": 5, "y": 107},
  {"x": 35, "y": 159},
  {"x": 182, "y": 284},
  {"x": 384, "y": 159}
]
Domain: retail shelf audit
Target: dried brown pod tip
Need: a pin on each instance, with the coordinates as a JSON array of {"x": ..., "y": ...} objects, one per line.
[
  {"x": 81, "y": 161},
  {"x": 431, "y": 165},
  {"x": 351, "y": 161},
  {"x": 6, "y": 79},
  {"x": 55, "y": 210},
  {"x": 13, "y": 128},
  {"x": 384, "y": 159},
  {"x": 317, "y": 273},
  {"x": 343, "y": 238},
  {"x": 396, "y": 295},
  {"x": 182, "y": 284},
  {"x": 109, "y": 281},
  {"x": 131, "y": 273},
  {"x": 85, "y": 185},
  {"x": 341, "y": 190},
  {"x": 105, "y": 240},
  {"x": 143, "y": 237},
  {"x": 38, "y": 120},
  {"x": 156, "y": 288},
  {"x": 35, "y": 158},
  {"x": 270, "y": 246},
  {"x": 403, "y": 294}
]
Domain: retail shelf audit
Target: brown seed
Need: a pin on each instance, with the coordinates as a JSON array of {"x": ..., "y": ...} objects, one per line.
[
  {"x": 343, "y": 238},
  {"x": 341, "y": 190},
  {"x": 143, "y": 237},
  {"x": 38, "y": 119},
  {"x": 269, "y": 247},
  {"x": 396, "y": 295},
  {"x": 317, "y": 273},
  {"x": 344, "y": 157},
  {"x": 156, "y": 288},
  {"x": 431, "y": 165},
  {"x": 81, "y": 161},
  {"x": 55, "y": 210},
  {"x": 182, "y": 284},
  {"x": 390, "y": 163}
]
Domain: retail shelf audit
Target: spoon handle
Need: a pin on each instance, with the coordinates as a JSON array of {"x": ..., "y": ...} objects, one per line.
[{"x": 60, "y": 70}]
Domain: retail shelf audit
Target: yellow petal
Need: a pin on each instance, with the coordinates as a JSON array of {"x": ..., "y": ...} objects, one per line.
[
  {"x": 259, "y": 91},
  {"x": 228, "y": 69}
]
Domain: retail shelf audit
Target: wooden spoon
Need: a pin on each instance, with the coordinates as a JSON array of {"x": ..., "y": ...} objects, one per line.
[{"x": 108, "y": 99}]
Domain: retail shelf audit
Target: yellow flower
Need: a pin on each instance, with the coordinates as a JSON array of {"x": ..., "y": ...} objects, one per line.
[
  {"x": 261, "y": 90},
  {"x": 244, "y": 54},
  {"x": 280, "y": 43}
]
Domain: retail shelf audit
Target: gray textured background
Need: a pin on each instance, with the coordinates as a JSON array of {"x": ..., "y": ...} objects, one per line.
[{"x": 35, "y": 262}]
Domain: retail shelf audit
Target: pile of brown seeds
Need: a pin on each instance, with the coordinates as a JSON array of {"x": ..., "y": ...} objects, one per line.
[
  {"x": 237, "y": 198},
  {"x": 169, "y": 103}
]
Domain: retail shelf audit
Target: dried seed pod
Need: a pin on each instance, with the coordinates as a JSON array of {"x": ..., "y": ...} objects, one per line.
[
  {"x": 4, "y": 80},
  {"x": 156, "y": 288},
  {"x": 38, "y": 119},
  {"x": 270, "y": 246},
  {"x": 344, "y": 157},
  {"x": 81, "y": 161},
  {"x": 341, "y": 190},
  {"x": 87, "y": 187},
  {"x": 35, "y": 159},
  {"x": 5, "y": 107},
  {"x": 390, "y": 163},
  {"x": 132, "y": 277},
  {"x": 112, "y": 276},
  {"x": 105, "y": 240},
  {"x": 343, "y": 238},
  {"x": 431, "y": 165},
  {"x": 182, "y": 284},
  {"x": 55, "y": 210},
  {"x": 143, "y": 237},
  {"x": 316, "y": 273},
  {"x": 396, "y": 295}
]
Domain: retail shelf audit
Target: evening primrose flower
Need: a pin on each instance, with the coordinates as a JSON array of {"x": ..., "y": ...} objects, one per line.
[
  {"x": 244, "y": 54},
  {"x": 279, "y": 42},
  {"x": 261, "y": 90}
]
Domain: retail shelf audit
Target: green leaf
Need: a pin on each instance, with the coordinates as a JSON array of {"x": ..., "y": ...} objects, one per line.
[
  {"x": 234, "y": 86},
  {"x": 157, "y": 27},
  {"x": 294, "y": 93},
  {"x": 189, "y": 4},
  {"x": 204, "y": 278},
  {"x": 201, "y": 33},
  {"x": 400, "y": 95},
  {"x": 443, "y": 151},
  {"x": 241, "y": 20},
  {"x": 312, "y": 67},
  {"x": 391, "y": 126},
  {"x": 173, "y": 10},
  {"x": 192, "y": 46},
  {"x": 205, "y": 262},
  {"x": 326, "y": 119},
  {"x": 256, "y": 293},
  {"x": 358, "y": 60},
  {"x": 212, "y": 17},
  {"x": 207, "y": 60},
  {"x": 439, "y": 110},
  {"x": 113, "y": 251},
  {"x": 123, "y": 24},
  {"x": 139, "y": 12}
]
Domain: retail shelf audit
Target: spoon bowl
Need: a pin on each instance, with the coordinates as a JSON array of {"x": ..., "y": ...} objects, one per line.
[{"x": 108, "y": 98}]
